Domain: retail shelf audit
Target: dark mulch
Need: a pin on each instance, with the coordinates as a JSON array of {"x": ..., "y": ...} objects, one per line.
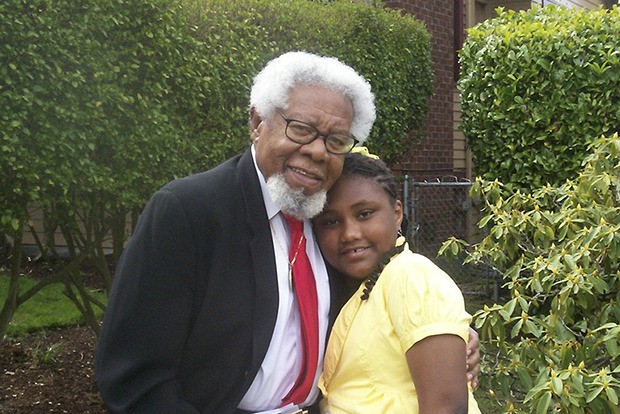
[{"x": 50, "y": 372}]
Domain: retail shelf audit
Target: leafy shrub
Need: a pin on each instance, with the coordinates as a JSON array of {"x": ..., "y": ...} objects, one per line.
[
  {"x": 538, "y": 87},
  {"x": 558, "y": 249},
  {"x": 105, "y": 100},
  {"x": 390, "y": 50},
  {"x": 100, "y": 100}
]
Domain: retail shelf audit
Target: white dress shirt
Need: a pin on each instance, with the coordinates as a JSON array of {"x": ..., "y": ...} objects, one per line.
[{"x": 282, "y": 362}]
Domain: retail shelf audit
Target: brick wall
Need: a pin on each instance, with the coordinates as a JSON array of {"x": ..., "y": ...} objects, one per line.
[
  {"x": 433, "y": 157},
  {"x": 443, "y": 152}
]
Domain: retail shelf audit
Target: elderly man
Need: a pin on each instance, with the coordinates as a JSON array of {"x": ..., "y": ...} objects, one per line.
[{"x": 214, "y": 309}]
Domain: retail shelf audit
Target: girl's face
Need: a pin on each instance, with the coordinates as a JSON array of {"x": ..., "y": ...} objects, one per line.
[{"x": 358, "y": 225}]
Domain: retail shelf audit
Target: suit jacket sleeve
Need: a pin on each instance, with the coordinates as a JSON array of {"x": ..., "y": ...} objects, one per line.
[
  {"x": 147, "y": 320},
  {"x": 194, "y": 300}
]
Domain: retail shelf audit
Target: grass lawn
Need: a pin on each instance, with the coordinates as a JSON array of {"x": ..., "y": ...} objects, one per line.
[{"x": 48, "y": 308}]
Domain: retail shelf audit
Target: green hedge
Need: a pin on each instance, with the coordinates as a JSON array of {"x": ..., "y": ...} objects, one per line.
[
  {"x": 538, "y": 87},
  {"x": 390, "y": 50},
  {"x": 98, "y": 100},
  {"x": 105, "y": 100}
]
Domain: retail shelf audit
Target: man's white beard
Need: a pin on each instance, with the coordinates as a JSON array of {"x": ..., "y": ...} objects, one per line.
[{"x": 293, "y": 201}]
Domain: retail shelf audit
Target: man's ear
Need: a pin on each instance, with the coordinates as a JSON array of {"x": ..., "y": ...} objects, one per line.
[{"x": 255, "y": 119}]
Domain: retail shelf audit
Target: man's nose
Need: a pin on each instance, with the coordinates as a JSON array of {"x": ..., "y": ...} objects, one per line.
[{"x": 316, "y": 149}]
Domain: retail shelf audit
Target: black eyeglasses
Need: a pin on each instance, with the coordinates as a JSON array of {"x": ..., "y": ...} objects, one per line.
[{"x": 302, "y": 133}]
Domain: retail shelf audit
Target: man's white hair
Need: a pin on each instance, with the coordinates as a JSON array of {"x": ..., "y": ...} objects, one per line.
[{"x": 272, "y": 85}]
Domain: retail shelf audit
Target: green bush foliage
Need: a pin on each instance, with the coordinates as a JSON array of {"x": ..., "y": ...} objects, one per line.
[
  {"x": 555, "y": 344},
  {"x": 100, "y": 103},
  {"x": 106, "y": 100},
  {"x": 538, "y": 87},
  {"x": 390, "y": 50}
]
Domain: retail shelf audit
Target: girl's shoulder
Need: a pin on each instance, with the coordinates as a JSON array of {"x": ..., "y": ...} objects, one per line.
[
  {"x": 409, "y": 268},
  {"x": 414, "y": 261}
]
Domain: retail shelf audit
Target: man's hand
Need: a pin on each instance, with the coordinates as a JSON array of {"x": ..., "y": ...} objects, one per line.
[{"x": 473, "y": 357}]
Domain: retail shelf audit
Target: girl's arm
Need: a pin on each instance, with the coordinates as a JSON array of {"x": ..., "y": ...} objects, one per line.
[{"x": 439, "y": 373}]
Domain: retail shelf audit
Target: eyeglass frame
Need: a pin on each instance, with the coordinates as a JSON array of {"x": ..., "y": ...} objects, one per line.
[{"x": 318, "y": 134}]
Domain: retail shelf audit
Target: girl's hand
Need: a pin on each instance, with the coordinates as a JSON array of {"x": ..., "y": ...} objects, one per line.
[{"x": 473, "y": 358}]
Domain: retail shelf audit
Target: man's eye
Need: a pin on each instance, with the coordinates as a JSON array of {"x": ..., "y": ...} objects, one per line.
[
  {"x": 300, "y": 130},
  {"x": 338, "y": 140}
]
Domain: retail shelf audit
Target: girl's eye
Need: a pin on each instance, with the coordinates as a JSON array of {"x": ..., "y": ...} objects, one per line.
[
  {"x": 365, "y": 214},
  {"x": 329, "y": 222}
]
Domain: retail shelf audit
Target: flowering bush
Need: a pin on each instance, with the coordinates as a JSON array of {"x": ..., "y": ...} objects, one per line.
[{"x": 558, "y": 249}]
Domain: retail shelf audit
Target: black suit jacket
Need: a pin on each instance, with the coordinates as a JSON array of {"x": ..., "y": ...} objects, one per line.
[{"x": 194, "y": 299}]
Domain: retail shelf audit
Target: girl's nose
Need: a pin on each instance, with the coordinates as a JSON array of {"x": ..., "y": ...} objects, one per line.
[{"x": 350, "y": 231}]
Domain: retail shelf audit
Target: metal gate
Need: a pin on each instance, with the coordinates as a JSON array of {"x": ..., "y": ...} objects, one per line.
[{"x": 438, "y": 210}]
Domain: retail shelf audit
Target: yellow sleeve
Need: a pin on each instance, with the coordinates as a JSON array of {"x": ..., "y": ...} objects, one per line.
[{"x": 422, "y": 300}]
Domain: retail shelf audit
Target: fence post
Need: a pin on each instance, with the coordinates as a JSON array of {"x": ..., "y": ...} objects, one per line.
[{"x": 406, "y": 204}]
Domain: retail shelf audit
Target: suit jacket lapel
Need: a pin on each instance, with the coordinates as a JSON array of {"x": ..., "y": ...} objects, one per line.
[{"x": 263, "y": 264}]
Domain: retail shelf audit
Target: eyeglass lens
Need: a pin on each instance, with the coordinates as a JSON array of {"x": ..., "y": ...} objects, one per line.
[{"x": 303, "y": 133}]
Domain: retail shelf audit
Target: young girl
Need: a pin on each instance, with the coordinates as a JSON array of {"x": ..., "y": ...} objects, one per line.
[{"x": 397, "y": 346}]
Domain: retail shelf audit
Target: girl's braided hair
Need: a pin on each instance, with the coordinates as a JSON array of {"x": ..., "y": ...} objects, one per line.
[
  {"x": 356, "y": 164},
  {"x": 360, "y": 165}
]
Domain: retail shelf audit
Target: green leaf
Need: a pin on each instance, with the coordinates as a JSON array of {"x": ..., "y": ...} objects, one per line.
[
  {"x": 543, "y": 403},
  {"x": 516, "y": 328},
  {"x": 454, "y": 249},
  {"x": 557, "y": 386},
  {"x": 544, "y": 63},
  {"x": 612, "y": 347},
  {"x": 524, "y": 377},
  {"x": 533, "y": 328},
  {"x": 594, "y": 393}
]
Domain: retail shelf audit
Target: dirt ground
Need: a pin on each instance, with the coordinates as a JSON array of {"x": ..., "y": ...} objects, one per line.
[{"x": 50, "y": 372}]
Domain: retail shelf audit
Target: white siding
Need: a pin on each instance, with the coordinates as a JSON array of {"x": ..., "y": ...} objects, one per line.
[{"x": 588, "y": 4}]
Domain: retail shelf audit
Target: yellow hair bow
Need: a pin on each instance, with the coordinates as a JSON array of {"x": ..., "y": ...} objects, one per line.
[{"x": 364, "y": 151}]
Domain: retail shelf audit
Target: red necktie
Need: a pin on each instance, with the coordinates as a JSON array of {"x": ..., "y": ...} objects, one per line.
[{"x": 305, "y": 292}]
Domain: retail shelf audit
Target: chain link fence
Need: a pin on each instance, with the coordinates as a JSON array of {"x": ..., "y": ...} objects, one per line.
[{"x": 438, "y": 210}]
